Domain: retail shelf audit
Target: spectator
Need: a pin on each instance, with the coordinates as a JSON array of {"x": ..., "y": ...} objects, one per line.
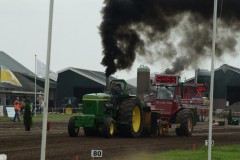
[
  {"x": 41, "y": 103},
  {"x": 22, "y": 104},
  {"x": 17, "y": 110}
]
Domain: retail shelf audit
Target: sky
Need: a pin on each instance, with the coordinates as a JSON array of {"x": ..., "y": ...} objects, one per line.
[{"x": 76, "y": 41}]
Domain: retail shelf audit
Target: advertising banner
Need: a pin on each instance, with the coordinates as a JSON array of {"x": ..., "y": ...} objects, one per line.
[{"x": 10, "y": 112}]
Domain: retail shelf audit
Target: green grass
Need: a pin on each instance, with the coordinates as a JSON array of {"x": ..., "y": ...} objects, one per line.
[
  {"x": 218, "y": 153},
  {"x": 54, "y": 117},
  {"x": 38, "y": 118}
]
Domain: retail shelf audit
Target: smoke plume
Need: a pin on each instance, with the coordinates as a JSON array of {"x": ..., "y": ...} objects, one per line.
[{"x": 178, "y": 31}]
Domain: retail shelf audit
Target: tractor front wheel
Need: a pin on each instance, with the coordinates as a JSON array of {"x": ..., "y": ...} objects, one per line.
[
  {"x": 185, "y": 119},
  {"x": 72, "y": 129},
  {"x": 109, "y": 128}
]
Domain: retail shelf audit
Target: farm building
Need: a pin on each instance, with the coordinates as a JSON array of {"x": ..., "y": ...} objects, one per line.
[
  {"x": 73, "y": 83},
  {"x": 226, "y": 84},
  {"x": 27, "y": 80}
]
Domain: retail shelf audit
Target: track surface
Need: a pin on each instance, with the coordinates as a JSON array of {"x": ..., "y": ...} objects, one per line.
[{"x": 22, "y": 145}]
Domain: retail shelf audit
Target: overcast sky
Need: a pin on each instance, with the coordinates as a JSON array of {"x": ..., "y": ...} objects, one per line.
[{"x": 76, "y": 41}]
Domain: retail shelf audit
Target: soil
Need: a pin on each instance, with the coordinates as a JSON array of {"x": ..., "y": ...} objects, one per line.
[{"x": 19, "y": 144}]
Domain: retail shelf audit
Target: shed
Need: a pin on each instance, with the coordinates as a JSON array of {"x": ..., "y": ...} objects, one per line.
[
  {"x": 226, "y": 86},
  {"x": 75, "y": 82},
  {"x": 26, "y": 78}
]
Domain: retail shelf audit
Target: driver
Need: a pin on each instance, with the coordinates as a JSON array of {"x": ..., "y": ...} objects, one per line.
[{"x": 115, "y": 89}]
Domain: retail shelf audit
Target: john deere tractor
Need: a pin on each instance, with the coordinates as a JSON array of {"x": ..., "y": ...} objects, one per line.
[{"x": 106, "y": 114}]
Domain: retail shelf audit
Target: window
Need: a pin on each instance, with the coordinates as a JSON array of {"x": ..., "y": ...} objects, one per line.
[{"x": 164, "y": 93}]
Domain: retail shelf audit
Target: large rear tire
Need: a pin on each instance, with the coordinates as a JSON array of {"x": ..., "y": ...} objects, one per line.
[
  {"x": 109, "y": 128},
  {"x": 185, "y": 118},
  {"x": 130, "y": 118},
  {"x": 72, "y": 129}
]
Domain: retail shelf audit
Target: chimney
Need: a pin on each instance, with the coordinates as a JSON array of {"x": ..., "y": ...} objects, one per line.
[{"x": 107, "y": 85}]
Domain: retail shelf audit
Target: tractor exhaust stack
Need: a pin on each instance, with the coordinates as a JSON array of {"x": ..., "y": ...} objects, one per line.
[{"x": 107, "y": 88}]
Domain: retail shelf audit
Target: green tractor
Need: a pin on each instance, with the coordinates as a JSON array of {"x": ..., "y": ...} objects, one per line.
[{"x": 109, "y": 114}]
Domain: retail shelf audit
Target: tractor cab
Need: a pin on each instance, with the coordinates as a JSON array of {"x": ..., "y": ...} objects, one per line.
[
  {"x": 165, "y": 101},
  {"x": 118, "y": 87},
  {"x": 119, "y": 90},
  {"x": 166, "y": 94}
]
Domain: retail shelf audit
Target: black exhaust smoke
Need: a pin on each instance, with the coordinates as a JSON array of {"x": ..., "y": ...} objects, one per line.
[{"x": 132, "y": 27}]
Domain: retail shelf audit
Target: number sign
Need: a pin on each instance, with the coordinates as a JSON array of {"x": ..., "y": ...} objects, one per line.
[
  {"x": 201, "y": 89},
  {"x": 96, "y": 153},
  {"x": 166, "y": 79}
]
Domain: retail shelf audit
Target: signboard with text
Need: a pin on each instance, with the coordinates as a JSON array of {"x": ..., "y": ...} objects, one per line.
[
  {"x": 10, "y": 112},
  {"x": 169, "y": 80}
]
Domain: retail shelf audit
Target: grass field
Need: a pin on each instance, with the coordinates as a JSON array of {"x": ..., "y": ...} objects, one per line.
[{"x": 218, "y": 153}]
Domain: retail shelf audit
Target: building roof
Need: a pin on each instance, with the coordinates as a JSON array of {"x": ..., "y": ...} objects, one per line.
[
  {"x": 12, "y": 64},
  {"x": 93, "y": 75},
  {"x": 24, "y": 75},
  {"x": 96, "y": 76},
  {"x": 226, "y": 67}
]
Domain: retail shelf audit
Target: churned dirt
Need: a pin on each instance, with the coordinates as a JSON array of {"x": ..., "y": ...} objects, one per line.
[{"x": 19, "y": 144}]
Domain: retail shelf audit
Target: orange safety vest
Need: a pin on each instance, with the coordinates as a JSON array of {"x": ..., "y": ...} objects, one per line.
[{"x": 16, "y": 105}]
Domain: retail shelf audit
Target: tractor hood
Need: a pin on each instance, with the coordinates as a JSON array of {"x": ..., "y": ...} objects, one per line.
[{"x": 97, "y": 96}]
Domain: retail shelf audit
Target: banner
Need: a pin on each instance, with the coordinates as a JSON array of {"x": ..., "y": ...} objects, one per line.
[
  {"x": 10, "y": 112},
  {"x": 8, "y": 77},
  {"x": 1, "y": 111},
  {"x": 41, "y": 69}
]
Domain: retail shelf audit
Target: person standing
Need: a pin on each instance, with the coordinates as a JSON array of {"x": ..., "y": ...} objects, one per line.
[
  {"x": 17, "y": 110},
  {"x": 22, "y": 105},
  {"x": 41, "y": 103}
]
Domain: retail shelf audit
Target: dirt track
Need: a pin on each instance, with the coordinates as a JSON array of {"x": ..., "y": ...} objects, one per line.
[{"x": 21, "y": 145}]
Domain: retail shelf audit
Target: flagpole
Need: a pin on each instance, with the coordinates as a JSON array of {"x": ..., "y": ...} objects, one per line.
[
  {"x": 212, "y": 81},
  {"x": 46, "y": 89},
  {"x": 35, "y": 85}
]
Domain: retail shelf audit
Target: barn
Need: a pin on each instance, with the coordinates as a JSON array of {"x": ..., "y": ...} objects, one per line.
[
  {"x": 226, "y": 85},
  {"x": 73, "y": 83},
  {"x": 27, "y": 79}
]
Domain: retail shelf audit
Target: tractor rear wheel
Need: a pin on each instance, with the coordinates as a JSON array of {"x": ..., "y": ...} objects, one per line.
[
  {"x": 130, "y": 117},
  {"x": 185, "y": 118},
  {"x": 72, "y": 129},
  {"x": 109, "y": 128}
]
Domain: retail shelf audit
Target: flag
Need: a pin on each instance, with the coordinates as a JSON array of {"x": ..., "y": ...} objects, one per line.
[
  {"x": 8, "y": 77},
  {"x": 41, "y": 71}
]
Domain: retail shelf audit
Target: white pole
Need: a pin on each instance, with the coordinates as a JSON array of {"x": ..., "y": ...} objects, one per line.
[
  {"x": 212, "y": 81},
  {"x": 46, "y": 89},
  {"x": 35, "y": 85}
]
